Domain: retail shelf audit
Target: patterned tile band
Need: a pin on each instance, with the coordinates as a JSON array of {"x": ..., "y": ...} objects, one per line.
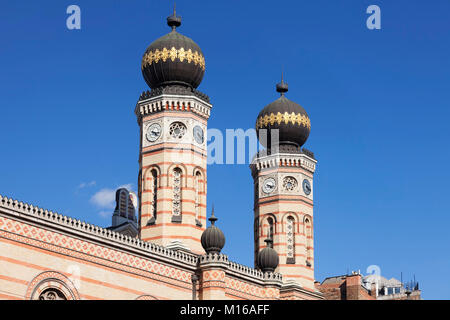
[
  {"x": 293, "y": 118},
  {"x": 172, "y": 54}
]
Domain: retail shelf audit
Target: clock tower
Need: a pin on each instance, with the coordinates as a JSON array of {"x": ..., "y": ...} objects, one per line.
[
  {"x": 173, "y": 120},
  {"x": 283, "y": 186}
]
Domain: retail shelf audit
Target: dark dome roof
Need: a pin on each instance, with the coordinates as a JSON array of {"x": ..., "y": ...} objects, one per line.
[
  {"x": 288, "y": 117},
  {"x": 213, "y": 239},
  {"x": 268, "y": 258},
  {"x": 173, "y": 59}
]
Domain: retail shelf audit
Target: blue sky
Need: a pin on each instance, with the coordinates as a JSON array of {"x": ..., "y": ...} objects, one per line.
[{"x": 378, "y": 102}]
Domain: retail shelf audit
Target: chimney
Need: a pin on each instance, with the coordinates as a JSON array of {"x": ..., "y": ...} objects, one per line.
[
  {"x": 353, "y": 286},
  {"x": 373, "y": 290}
]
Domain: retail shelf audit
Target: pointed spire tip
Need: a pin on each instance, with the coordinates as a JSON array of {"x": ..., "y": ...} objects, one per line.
[{"x": 212, "y": 218}]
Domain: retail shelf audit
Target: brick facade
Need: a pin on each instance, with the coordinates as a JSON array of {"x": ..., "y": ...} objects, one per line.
[{"x": 41, "y": 250}]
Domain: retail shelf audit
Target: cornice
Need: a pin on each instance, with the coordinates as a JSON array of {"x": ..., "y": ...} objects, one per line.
[
  {"x": 295, "y": 287},
  {"x": 300, "y": 160},
  {"x": 172, "y": 102},
  {"x": 60, "y": 223}
]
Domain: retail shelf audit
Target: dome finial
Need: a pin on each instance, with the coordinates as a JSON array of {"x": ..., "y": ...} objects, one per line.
[
  {"x": 212, "y": 218},
  {"x": 174, "y": 21},
  {"x": 213, "y": 239},
  {"x": 269, "y": 242},
  {"x": 267, "y": 258},
  {"x": 282, "y": 87}
]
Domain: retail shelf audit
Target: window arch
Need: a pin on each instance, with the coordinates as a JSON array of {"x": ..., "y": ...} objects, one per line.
[
  {"x": 256, "y": 236},
  {"x": 51, "y": 285},
  {"x": 176, "y": 198},
  {"x": 146, "y": 297},
  {"x": 52, "y": 294},
  {"x": 308, "y": 240},
  {"x": 270, "y": 228},
  {"x": 149, "y": 196},
  {"x": 198, "y": 187},
  {"x": 290, "y": 240},
  {"x": 154, "y": 186}
]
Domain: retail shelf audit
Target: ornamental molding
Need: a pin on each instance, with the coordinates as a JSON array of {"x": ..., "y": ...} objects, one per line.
[
  {"x": 291, "y": 287},
  {"x": 84, "y": 250},
  {"x": 51, "y": 280},
  {"x": 253, "y": 275},
  {"x": 293, "y": 118},
  {"x": 283, "y": 160},
  {"x": 239, "y": 271},
  {"x": 173, "y": 54},
  {"x": 83, "y": 230},
  {"x": 173, "y": 103},
  {"x": 55, "y": 222}
]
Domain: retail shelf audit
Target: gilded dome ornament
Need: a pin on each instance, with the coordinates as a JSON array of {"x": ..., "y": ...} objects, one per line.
[
  {"x": 173, "y": 59},
  {"x": 289, "y": 118}
]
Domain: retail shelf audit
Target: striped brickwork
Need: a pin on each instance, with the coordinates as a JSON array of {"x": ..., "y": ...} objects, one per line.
[
  {"x": 163, "y": 156},
  {"x": 42, "y": 250},
  {"x": 286, "y": 213}
]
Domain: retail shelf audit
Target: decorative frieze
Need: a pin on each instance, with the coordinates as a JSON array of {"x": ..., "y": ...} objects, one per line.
[
  {"x": 34, "y": 213},
  {"x": 283, "y": 160},
  {"x": 172, "y": 103}
]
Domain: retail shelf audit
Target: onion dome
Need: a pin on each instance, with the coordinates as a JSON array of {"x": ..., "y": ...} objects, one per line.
[
  {"x": 173, "y": 59},
  {"x": 213, "y": 239},
  {"x": 268, "y": 258},
  {"x": 288, "y": 117}
]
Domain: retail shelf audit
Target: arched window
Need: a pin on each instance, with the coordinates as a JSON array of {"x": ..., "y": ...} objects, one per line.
[
  {"x": 256, "y": 237},
  {"x": 198, "y": 186},
  {"x": 309, "y": 241},
  {"x": 270, "y": 230},
  {"x": 176, "y": 200},
  {"x": 290, "y": 240},
  {"x": 52, "y": 285},
  {"x": 154, "y": 187},
  {"x": 52, "y": 294}
]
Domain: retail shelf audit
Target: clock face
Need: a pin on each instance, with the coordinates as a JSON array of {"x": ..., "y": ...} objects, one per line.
[
  {"x": 269, "y": 185},
  {"x": 306, "y": 187},
  {"x": 199, "y": 135},
  {"x": 153, "y": 132}
]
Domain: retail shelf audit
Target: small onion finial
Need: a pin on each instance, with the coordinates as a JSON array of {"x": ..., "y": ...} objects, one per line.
[{"x": 174, "y": 21}]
